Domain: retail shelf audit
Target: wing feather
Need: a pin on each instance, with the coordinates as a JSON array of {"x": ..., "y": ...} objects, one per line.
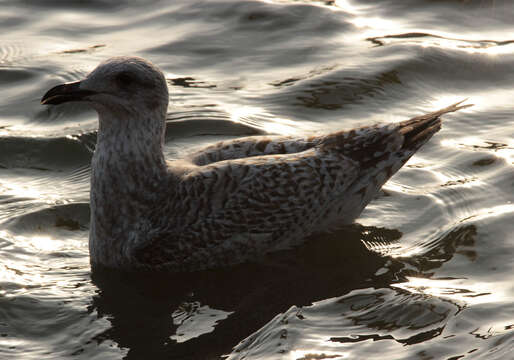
[
  {"x": 246, "y": 206},
  {"x": 252, "y": 146}
]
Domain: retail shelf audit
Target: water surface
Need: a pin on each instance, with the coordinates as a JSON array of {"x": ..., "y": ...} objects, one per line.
[{"x": 426, "y": 271}]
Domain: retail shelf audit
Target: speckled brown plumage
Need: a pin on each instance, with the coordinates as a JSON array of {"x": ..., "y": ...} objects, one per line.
[{"x": 230, "y": 201}]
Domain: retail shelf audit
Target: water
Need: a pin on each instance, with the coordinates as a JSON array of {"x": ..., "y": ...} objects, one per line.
[{"x": 426, "y": 273}]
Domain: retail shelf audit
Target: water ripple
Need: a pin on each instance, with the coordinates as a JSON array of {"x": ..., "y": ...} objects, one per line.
[{"x": 426, "y": 272}]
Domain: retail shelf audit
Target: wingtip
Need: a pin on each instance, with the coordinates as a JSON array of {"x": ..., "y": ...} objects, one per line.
[
  {"x": 436, "y": 114},
  {"x": 455, "y": 107}
]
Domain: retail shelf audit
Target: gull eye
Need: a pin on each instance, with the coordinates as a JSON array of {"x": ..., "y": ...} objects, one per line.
[{"x": 124, "y": 79}]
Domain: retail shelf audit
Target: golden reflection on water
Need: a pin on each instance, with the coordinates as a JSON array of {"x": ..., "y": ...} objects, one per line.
[
  {"x": 507, "y": 154},
  {"x": 443, "y": 100},
  {"x": 20, "y": 191},
  {"x": 44, "y": 243},
  {"x": 194, "y": 319},
  {"x": 315, "y": 354},
  {"x": 394, "y": 30},
  {"x": 493, "y": 212},
  {"x": 496, "y": 98},
  {"x": 471, "y": 46},
  {"x": 461, "y": 290},
  {"x": 257, "y": 117},
  {"x": 375, "y": 23},
  {"x": 23, "y": 190},
  {"x": 346, "y": 6},
  {"x": 501, "y": 150}
]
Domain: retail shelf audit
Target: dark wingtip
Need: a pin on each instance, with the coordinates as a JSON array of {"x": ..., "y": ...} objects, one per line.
[
  {"x": 420, "y": 129},
  {"x": 440, "y": 112},
  {"x": 454, "y": 107}
]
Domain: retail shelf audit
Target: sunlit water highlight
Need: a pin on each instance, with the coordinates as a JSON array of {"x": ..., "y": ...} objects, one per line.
[{"x": 426, "y": 273}]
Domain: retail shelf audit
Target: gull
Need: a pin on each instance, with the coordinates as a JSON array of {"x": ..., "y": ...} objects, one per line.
[{"x": 228, "y": 202}]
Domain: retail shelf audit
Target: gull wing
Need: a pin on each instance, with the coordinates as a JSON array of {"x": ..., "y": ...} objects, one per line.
[
  {"x": 269, "y": 193},
  {"x": 252, "y": 146},
  {"x": 237, "y": 208}
]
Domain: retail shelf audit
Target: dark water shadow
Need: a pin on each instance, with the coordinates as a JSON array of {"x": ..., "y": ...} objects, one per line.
[
  {"x": 54, "y": 154},
  {"x": 460, "y": 240},
  {"x": 140, "y": 306}
]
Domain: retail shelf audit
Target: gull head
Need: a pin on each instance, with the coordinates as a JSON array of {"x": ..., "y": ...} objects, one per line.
[{"x": 118, "y": 88}]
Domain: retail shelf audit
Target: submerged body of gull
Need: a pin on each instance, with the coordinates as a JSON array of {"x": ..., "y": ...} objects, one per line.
[{"x": 230, "y": 201}]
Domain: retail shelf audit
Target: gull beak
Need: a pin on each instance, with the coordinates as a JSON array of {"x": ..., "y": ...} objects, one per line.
[{"x": 65, "y": 92}]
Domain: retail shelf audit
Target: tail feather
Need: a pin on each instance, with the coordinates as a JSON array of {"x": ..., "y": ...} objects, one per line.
[
  {"x": 436, "y": 114},
  {"x": 420, "y": 129}
]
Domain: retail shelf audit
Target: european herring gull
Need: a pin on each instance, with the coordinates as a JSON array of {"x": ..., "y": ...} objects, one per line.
[{"x": 230, "y": 201}]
